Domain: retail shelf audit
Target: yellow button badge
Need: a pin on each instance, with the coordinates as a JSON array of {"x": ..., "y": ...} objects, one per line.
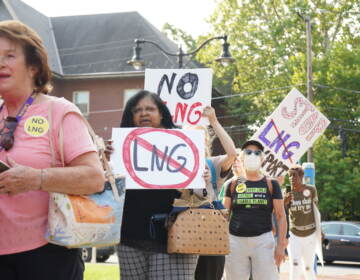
[
  {"x": 240, "y": 188},
  {"x": 36, "y": 126}
]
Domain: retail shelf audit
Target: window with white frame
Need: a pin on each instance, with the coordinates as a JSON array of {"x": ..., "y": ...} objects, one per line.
[
  {"x": 82, "y": 99},
  {"x": 128, "y": 93}
]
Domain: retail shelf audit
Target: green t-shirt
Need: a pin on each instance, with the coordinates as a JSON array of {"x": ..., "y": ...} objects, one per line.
[{"x": 301, "y": 212}]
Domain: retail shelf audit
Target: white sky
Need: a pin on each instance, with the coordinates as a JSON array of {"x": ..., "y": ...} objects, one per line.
[{"x": 188, "y": 15}]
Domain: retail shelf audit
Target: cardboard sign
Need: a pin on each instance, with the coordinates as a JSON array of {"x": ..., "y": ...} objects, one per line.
[
  {"x": 185, "y": 91},
  {"x": 289, "y": 132},
  {"x": 159, "y": 158}
]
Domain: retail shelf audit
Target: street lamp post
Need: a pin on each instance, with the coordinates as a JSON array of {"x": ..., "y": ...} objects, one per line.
[{"x": 137, "y": 62}]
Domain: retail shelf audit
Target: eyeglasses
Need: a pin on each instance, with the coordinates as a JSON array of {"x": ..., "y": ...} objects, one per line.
[
  {"x": 249, "y": 152},
  {"x": 7, "y": 133},
  {"x": 147, "y": 109}
]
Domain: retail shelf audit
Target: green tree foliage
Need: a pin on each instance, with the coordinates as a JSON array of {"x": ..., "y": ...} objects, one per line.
[
  {"x": 179, "y": 35},
  {"x": 268, "y": 42},
  {"x": 341, "y": 70},
  {"x": 337, "y": 180}
]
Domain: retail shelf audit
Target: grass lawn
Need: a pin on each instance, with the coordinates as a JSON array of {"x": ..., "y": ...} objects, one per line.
[{"x": 101, "y": 271}]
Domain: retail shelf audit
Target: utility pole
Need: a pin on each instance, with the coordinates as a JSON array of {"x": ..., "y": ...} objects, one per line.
[{"x": 309, "y": 83}]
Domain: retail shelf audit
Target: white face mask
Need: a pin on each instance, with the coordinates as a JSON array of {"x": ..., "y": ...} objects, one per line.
[{"x": 252, "y": 162}]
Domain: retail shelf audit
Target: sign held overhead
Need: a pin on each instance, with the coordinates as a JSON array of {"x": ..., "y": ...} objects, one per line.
[
  {"x": 289, "y": 132},
  {"x": 185, "y": 91}
]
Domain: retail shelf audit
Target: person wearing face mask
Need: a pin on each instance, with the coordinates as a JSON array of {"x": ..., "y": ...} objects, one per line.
[{"x": 251, "y": 199}]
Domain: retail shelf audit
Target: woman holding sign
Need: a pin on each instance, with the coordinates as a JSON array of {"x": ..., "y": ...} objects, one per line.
[
  {"x": 142, "y": 257},
  {"x": 25, "y": 128}
]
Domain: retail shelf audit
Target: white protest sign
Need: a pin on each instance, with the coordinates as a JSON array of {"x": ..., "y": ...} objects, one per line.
[
  {"x": 185, "y": 91},
  {"x": 289, "y": 132},
  {"x": 155, "y": 158}
]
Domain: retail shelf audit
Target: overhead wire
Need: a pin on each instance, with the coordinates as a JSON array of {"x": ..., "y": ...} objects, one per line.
[
  {"x": 275, "y": 89},
  {"x": 344, "y": 128},
  {"x": 337, "y": 88},
  {"x": 253, "y": 92}
]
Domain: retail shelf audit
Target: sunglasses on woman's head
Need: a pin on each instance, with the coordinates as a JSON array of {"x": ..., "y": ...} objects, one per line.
[
  {"x": 7, "y": 133},
  {"x": 249, "y": 152}
]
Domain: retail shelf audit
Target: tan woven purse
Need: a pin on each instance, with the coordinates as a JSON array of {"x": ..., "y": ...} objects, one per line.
[{"x": 199, "y": 231}]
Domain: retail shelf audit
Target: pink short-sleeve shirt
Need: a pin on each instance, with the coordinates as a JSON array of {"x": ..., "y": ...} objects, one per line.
[{"x": 23, "y": 217}]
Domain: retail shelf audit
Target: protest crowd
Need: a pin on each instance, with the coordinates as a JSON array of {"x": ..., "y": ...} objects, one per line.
[{"x": 49, "y": 153}]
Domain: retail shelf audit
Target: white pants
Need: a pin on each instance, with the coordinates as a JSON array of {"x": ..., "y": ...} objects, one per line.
[
  {"x": 302, "y": 256},
  {"x": 251, "y": 254}
]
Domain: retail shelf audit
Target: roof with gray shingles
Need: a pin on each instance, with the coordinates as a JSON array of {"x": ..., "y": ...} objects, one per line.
[
  {"x": 104, "y": 42},
  {"x": 94, "y": 43}
]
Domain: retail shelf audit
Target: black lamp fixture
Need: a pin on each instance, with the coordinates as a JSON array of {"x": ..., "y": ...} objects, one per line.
[{"x": 137, "y": 62}]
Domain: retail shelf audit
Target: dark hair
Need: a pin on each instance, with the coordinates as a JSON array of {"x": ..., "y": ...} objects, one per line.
[
  {"x": 253, "y": 143},
  {"x": 34, "y": 51},
  {"x": 298, "y": 170},
  {"x": 127, "y": 118}
]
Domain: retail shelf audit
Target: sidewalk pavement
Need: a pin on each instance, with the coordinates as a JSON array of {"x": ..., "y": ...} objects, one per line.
[{"x": 285, "y": 276}]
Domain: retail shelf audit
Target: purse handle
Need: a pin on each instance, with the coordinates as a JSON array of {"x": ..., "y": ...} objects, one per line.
[
  {"x": 213, "y": 177},
  {"x": 98, "y": 141}
]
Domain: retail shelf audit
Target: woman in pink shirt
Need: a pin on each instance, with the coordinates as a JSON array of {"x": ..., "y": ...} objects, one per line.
[{"x": 25, "y": 126}]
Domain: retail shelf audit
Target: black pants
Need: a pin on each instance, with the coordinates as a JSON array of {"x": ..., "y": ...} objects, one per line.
[
  {"x": 210, "y": 268},
  {"x": 49, "y": 262}
]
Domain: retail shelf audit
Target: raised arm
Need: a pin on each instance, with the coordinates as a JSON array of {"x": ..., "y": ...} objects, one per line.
[{"x": 225, "y": 139}]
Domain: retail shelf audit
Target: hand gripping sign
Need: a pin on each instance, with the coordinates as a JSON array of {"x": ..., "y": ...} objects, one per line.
[
  {"x": 155, "y": 158},
  {"x": 289, "y": 132},
  {"x": 185, "y": 91}
]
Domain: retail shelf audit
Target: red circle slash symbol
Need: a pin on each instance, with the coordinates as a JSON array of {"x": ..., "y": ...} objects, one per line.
[{"x": 135, "y": 134}]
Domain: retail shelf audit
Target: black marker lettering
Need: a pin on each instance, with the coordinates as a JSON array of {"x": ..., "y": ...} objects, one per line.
[
  {"x": 135, "y": 159},
  {"x": 178, "y": 158}
]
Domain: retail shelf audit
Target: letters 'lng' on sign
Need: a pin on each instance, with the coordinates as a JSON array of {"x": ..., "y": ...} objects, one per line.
[
  {"x": 289, "y": 132},
  {"x": 155, "y": 158},
  {"x": 185, "y": 91}
]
